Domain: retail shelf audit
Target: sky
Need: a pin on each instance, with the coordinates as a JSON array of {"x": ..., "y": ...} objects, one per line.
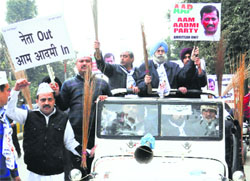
[{"x": 119, "y": 23}]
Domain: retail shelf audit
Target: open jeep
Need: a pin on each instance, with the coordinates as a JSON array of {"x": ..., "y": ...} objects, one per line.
[{"x": 165, "y": 139}]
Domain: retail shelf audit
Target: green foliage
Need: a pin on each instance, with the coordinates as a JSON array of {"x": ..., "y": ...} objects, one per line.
[
  {"x": 19, "y": 10},
  {"x": 36, "y": 74}
]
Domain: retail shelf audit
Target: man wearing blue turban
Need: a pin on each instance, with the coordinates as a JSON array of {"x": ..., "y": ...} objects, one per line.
[
  {"x": 163, "y": 74},
  {"x": 158, "y": 45}
]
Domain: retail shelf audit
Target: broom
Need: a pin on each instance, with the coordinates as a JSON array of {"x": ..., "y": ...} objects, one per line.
[
  {"x": 239, "y": 95},
  {"x": 219, "y": 67},
  {"x": 87, "y": 103},
  {"x": 238, "y": 86},
  {"x": 240, "y": 73}
]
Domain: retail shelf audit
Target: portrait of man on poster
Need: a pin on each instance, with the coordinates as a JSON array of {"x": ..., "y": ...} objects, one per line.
[{"x": 209, "y": 19}]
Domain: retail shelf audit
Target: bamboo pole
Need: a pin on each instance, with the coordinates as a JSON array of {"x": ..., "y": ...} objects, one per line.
[
  {"x": 51, "y": 74},
  {"x": 20, "y": 75},
  {"x": 94, "y": 6}
]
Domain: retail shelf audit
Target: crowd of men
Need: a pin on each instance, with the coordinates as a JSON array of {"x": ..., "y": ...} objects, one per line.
[{"x": 53, "y": 130}]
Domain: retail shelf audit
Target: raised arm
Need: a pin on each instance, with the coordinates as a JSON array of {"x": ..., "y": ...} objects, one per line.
[
  {"x": 12, "y": 111},
  {"x": 104, "y": 67}
]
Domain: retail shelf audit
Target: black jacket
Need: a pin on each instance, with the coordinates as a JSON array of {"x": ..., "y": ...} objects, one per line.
[
  {"x": 117, "y": 77},
  {"x": 71, "y": 96},
  {"x": 176, "y": 75},
  {"x": 43, "y": 144}
]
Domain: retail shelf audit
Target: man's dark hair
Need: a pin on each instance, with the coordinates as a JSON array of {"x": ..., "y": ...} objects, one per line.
[
  {"x": 2, "y": 87},
  {"x": 131, "y": 55},
  {"x": 107, "y": 55},
  {"x": 208, "y": 9}
]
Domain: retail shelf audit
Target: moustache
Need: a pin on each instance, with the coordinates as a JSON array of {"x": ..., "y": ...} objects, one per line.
[
  {"x": 160, "y": 56},
  {"x": 48, "y": 106},
  {"x": 210, "y": 26}
]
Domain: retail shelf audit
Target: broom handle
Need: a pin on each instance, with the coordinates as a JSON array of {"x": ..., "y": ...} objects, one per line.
[{"x": 149, "y": 86}]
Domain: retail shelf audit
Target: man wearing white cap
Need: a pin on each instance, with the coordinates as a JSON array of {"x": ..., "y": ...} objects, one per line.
[
  {"x": 8, "y": 166},
  {"x": 46, "y": 132}
]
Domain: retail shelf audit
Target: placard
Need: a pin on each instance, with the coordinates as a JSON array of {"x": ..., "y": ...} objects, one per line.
[
  {"x": 196, "y": 21},
  {"x": 38, "y": 41}
]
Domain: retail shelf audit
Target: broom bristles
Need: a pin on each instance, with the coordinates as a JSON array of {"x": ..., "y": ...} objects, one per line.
[
  {"x": 237, "y": 84},
  {"x": 87, "y": 103},
  {"x": 239, "y": 96},
  {"x": 245, "y": 72},
  {"x": 220, "y": 64}
]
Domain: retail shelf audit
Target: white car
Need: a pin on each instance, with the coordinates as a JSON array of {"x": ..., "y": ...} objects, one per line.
[{"x": 163, "y": 139}]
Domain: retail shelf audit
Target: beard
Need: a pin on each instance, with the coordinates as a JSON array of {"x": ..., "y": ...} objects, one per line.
[{"x": 160, "y": 58}]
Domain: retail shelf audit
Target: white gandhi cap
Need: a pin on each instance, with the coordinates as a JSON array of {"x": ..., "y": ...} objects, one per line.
[
  {"x": 3, "y": 78},
  {"x": 44, "y": 88}
]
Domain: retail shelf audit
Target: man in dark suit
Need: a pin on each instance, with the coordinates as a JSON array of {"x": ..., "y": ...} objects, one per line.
[{"x": 122, "y": 75}]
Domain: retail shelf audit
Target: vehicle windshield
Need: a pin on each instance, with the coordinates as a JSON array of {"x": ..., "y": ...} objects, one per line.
[{"x": 163, "y": 120}]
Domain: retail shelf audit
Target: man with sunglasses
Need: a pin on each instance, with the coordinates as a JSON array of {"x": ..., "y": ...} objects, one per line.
[
  {"x": 199, "y": 79},
  {"x": 46, "y": 132},
  {"x": 163, "y": 74},
  {"x": 122, "y": 75}
]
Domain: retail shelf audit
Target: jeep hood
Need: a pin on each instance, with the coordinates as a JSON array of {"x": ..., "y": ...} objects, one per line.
[{"x": 160, "y": 168}]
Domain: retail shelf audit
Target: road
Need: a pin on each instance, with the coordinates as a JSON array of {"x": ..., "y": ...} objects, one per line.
[{"x": 23, "y": 171}]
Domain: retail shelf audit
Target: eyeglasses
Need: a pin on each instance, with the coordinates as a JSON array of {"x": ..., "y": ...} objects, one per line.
[
  {"x": 187, "y": 57},
  {"x": 124, "y": 56}
]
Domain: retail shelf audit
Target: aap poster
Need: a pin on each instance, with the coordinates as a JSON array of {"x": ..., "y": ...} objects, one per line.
[
  {"x": 196, "y": 22},
  {"x": 38, "y": 41},
  {"x": 212, "y": 85}
]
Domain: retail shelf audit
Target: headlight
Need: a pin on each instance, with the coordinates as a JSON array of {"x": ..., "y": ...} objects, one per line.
[
  {"x": 238, "y": 176},
  {"x": 75, "y": 175}
]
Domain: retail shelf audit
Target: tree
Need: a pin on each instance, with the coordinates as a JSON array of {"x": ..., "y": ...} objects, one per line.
[{"x": 19, "y": 10}]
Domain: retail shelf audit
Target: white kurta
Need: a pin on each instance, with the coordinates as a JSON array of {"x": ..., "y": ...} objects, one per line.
[{"x": 36, "y": 177}]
